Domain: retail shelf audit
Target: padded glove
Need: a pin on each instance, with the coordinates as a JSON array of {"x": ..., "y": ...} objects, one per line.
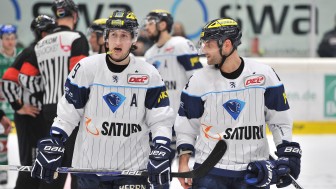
[
  {"x": 49, "y": 158},
  {"x": 290, "y": 152},
  {"x": 265, "y": 173},
  {"x": 159, "y": 165}
]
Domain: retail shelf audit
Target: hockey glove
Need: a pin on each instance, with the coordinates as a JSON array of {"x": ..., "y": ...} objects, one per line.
[
  {"x": 291, "y": 153},
  {"x": 49, "y": 158},
  {"x": 159, "y": 165},
  {"x": 265, "y": 173}
]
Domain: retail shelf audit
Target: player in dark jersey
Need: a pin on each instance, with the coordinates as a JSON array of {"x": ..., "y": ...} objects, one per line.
[
  {"x": 29, "y": 122},
  {"x": 54, "y": 57}
]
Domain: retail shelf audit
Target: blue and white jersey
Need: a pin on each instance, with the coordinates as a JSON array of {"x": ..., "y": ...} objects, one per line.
[
  {"x": 176, "y": 61},
  {"x": 235, "y": 110},
  {"x": 115, "y": 112}
]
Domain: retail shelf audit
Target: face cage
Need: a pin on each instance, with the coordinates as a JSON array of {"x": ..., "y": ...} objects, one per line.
[{"x": 134, "y": 33}]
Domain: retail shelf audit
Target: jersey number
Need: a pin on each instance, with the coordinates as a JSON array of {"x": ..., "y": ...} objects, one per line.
[{"x": 75, "y": 70}]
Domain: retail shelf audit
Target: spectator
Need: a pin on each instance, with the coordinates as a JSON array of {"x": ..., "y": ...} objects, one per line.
[
  {"x": 327, "y": 47},
  {"x": 8, "y": 53}
]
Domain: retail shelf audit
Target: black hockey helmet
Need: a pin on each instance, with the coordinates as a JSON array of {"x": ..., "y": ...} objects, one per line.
[
  {"x": 161, "y": 15},
  {"x": 42, "y": 23},
  {"x": 98, "y": 26},
  {"x": 125, "y": 20},
  {"x": 222, "y": 29},
  {"x": 64, "y": 8}
]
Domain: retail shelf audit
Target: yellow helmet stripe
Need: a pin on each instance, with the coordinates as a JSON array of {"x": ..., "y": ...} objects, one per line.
[{"x": 222, "y": 22}]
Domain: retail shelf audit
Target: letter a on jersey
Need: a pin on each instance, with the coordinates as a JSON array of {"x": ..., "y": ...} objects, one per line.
[{"x": 114, "y": 100}]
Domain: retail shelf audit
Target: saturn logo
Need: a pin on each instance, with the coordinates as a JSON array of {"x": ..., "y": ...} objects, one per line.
[{"x": 206, "y": 131}]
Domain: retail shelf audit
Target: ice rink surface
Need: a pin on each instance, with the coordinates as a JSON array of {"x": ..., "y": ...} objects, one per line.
[{"x": 318, "y": 169}]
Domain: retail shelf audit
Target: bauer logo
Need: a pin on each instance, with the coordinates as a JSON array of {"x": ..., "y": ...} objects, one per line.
[
  {"x": 330, "y": 96},
  {"x": 254, "y": 80},
  {"x": 137, "y": 79}
]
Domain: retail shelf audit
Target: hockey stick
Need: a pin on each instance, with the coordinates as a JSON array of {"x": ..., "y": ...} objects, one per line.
[
  {"x": 294, "y": 182},
  {"x": 214, "y": 157}
]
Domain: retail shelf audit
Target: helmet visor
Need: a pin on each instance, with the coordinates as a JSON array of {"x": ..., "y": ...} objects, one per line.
[
  {"x": 148, "y": 21},
  {"x": 120, "y": 34},
  {"x": 207, "y": 46}
]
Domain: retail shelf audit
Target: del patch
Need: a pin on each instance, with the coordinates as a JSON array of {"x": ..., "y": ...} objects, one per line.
[
  {"x": 254, "y": 80},
  {"x": 137, "y": 79}
]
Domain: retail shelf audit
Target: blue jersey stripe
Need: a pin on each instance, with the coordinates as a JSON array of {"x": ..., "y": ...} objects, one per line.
[
  {"x": 76, "y": 95},
  {"x": 156, "y": 97},
  {"x": 191, "y": 106},
  {"x": 189, "y": 61},
  {"x": 276, "y": 99}
]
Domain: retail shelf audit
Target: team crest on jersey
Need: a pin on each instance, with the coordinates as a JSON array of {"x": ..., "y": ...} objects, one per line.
[
  {"x": 254, "y": 80},
  {"x": 114, "y": 100},
  {"x": 234, "y": 107},
  {"x": 137, "y": 79},
  {"x": 157, "y": 64}
]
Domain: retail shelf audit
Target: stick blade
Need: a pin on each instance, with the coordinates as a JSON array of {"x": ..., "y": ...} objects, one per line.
[{"x": 213, "y": 158}]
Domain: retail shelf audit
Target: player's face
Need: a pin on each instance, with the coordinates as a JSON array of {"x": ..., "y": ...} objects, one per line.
[
  {"x": 150, "y": 27},
  {"x": 211, "y": 51},
  {"x": 8, "y": 41},
  {"x": 119, "y": 43},
  {"x": 93, "y": 42}
]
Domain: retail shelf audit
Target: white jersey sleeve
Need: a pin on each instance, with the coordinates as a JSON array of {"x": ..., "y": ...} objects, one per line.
[
  {"x": 76, "y": 94},
  {"x": 277, "y": 113}
]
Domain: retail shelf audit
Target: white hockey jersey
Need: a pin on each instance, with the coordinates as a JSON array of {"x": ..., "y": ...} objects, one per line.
[
  {"x": 235, "y": 110},
  {"x": 176, "y": 61},
  {"x": 115, "y": 111}
]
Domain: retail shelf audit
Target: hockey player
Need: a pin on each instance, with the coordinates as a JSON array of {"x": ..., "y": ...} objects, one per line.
[
  {"x": 176, "y": 58},
  {"x": 233, "y": 99},
  {"x": 29, "y": 122},
  {"x": 117, "y": 99},
  {"x": 96, "y": 39},
  {"x": 54, "y": 56},
  {"x": 8, "y": 52}
]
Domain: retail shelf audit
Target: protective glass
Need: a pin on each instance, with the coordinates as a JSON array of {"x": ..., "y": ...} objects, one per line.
[
  {"x": 108, "y": 33},
  {"x": 207, "y": 46},
  {"x": 149, "y": 21}
]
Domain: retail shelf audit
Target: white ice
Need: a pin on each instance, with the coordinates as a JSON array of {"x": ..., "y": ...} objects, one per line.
[{"x": 318, "y": 169}]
